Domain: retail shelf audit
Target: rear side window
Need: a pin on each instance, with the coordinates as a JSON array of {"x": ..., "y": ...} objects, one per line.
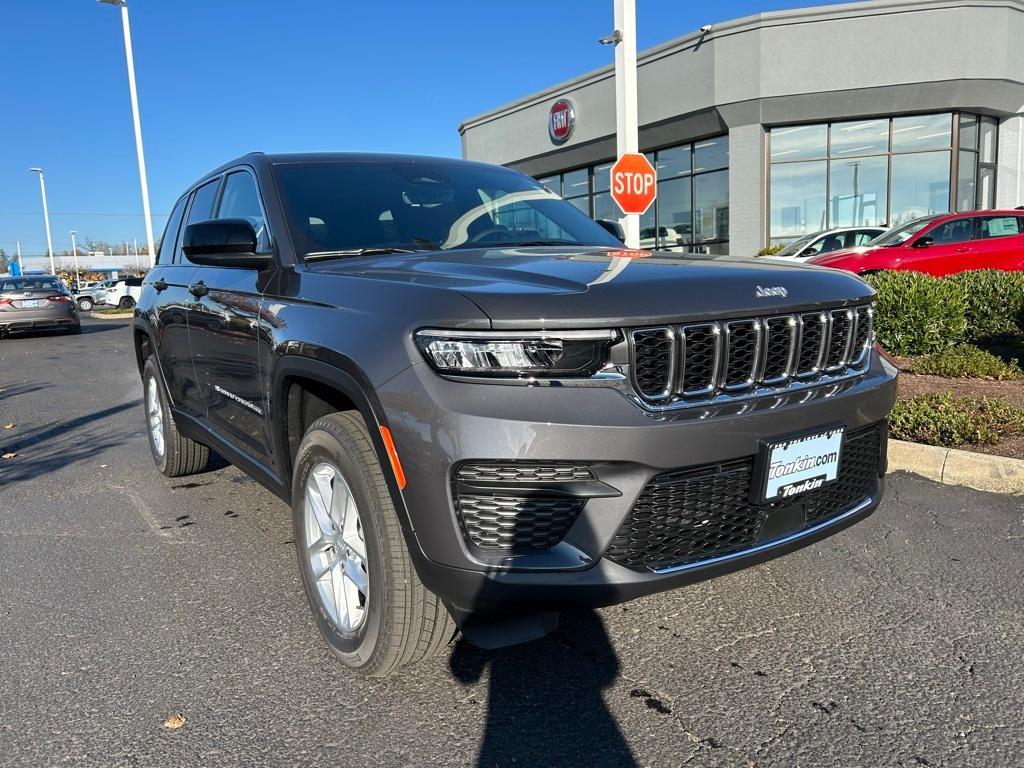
[
  {"x": 998, "y": 226},
  {"x": 202, "y": 206},
  {"x": 241, "y": 200},
  {"x": 166, "y": 254}
]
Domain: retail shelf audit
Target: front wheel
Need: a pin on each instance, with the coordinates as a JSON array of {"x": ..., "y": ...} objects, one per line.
[{"x": 365, "y": 595}]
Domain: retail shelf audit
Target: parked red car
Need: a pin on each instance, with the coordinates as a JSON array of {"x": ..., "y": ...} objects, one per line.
[{"x": 940, "y": 245}]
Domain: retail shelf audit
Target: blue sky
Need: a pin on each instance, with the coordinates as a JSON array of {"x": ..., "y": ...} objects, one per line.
[{"x": 218, "y": 79}]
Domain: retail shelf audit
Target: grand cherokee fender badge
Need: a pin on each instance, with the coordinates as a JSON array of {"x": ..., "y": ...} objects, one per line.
[
  {"x": 238, "y": 399},
  {"x": 774, "y": 290}
]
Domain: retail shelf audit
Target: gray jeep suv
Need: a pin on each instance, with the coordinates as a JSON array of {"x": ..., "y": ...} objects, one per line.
[{"x": 483, "y": 409}]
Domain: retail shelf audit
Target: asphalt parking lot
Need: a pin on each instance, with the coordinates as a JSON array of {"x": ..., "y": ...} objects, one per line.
[{"x": 127, "y": 598}]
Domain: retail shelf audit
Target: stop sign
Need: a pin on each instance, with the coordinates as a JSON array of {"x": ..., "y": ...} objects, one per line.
[{"x": 633, "y": 182}]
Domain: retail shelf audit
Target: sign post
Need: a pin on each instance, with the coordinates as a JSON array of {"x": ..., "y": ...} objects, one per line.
[{"x": 627, "y": 140}]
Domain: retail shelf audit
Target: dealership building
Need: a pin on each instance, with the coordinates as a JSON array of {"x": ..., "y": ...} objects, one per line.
[{"x": 776, "y": 125}]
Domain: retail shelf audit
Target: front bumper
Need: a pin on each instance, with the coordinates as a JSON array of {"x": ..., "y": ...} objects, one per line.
[{"x": 438, "y": 423}]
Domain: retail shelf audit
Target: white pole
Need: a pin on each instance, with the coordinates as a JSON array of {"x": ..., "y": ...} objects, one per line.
[
  {"x": 46, "y": 219},
  {"x": 626, "y": 119},
  {"x": 74, "y": 250},
  {"x": 135, "y": 245},
  {"x": 127, "y": 254},
  {"x": 143, "y": 183},
  {"x": 18, "y": 247}
]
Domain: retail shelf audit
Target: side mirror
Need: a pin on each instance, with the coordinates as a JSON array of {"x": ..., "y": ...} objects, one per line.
[
  {"x": 924, "y": 242},
  {"x": 223, "y": 243},
  {"x": 613, "y": 228}
]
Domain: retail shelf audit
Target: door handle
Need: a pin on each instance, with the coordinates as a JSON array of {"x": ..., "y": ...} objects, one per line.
[
  {"x": 198, "y": 289},
  {"x": 160, "y": 285}
]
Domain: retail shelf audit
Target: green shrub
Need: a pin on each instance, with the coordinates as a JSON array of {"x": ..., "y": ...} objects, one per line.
[
  {"x": 918, "y": 314},
  {"x": 965, "y": 361},
  {"x": 951, "y": 420},
  {"x": 770, "y": 250},
  {"x": 995, "y": 301}
]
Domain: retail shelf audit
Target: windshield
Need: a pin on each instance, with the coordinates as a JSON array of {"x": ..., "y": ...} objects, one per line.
[
  {"x": 32, "y": 284},
  {"x": 900, "y": 235},
  {"x": 357, "y": 205},
  {"x": 796, "y": 245}
]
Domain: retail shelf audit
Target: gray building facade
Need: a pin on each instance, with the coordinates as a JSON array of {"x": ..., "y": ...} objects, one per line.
[{"x": 780, "y": 124}]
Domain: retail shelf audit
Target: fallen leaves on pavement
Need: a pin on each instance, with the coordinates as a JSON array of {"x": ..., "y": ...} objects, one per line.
[
  {"x": 9, "y": 426},
  {"x": 174, "y": 722},
  {"x": 9, "y": 455}
]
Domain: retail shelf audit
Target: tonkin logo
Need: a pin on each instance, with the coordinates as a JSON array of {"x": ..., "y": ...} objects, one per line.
[{"x": 774, "y": 290}]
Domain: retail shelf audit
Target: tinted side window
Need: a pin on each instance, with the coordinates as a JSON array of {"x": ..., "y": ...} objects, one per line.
[
  {"x": 241, "y": 201},
  {"x": 998, "y": 226},
  {"x": 166, "y": 254},
  {"x": 202, "y": 206},
  {"x": 955, "y": 231}
]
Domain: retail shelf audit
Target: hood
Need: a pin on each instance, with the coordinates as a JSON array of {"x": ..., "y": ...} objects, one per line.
[{"x": 555, "y": 287}]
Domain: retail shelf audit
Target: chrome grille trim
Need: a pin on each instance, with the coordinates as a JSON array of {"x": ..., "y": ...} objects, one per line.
[{"x": 753, "y": 356}]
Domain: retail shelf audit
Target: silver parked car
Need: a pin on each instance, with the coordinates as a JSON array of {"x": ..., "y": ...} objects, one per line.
[
  {"x": 828, "y": 240},
  {"x": 36, "y": 302}
]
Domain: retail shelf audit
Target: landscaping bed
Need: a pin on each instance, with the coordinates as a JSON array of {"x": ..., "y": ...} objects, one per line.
[{"x": 959, "y": 344}]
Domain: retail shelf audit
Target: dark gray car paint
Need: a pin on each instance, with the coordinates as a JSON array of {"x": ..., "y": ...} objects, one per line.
[{"x": 350, "y": 324}]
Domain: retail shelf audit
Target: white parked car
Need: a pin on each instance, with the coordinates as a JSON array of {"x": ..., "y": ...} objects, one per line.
[
  {"x": 829, "y": 240},
  {"x": 125, "y": 293}
]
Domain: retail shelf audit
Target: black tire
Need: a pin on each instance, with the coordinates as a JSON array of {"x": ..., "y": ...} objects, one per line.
[
  {"x": 126, "y": 302},
  {"x": 404, "y": 622},
  {"x": 76, "y": 329},
  {"x": 181, "y": 455},
  {"x": 85, "y": 304}
]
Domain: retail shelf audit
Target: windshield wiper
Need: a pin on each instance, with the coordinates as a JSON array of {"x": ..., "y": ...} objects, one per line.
[{"x": 350, "y": 252}]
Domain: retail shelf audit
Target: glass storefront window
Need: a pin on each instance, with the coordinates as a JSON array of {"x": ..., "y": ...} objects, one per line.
[
  {"x": 860, "y": 137},
  {"x": 675, "y": 213},
  {"x": 673, "y": 162},
  {"x": 858, "y": 192},
  {"x": 711, "y": 206},
  {"x": 968, "y": 131},
  {"x": 987, "y": 145},
  {"x": 575, "y": 183},
  {"x": 799, "y": 142},
  {"x": 602, "y": 177},
  {"x": 554, "y": 183},
  {"x": 605, "y": 207},
  {"x": 911, "y": 134},
  {"x": 920, "y": 185},
  {"x": 797, "y": 198},
  {"x": 710, "y": 154},
  {"x": 583, "y": 203},
  {"x": 967, "y": 170},
  {"x": 987, "y": 187}
]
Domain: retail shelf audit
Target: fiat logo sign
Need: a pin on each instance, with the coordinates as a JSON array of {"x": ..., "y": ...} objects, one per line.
[{"x": 561, "y": 121}]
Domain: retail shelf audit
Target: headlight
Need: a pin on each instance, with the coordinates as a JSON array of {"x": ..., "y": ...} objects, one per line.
[{"x": 516, "y": 353}]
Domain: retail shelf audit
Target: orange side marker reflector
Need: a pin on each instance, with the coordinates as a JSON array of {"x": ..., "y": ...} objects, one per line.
[{"x": 396, "y": 465}]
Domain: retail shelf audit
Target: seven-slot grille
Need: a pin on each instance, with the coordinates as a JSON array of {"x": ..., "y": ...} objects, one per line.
[{"x": 695, "y": 362}]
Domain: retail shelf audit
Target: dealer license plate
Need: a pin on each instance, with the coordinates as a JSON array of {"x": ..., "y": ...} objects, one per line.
[
  {"x": 795, "y": 465},
  {"x": 30, "y": 303}
]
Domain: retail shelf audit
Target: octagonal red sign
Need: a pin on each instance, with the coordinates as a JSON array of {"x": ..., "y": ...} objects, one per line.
[{"x": 634, "y": 183}]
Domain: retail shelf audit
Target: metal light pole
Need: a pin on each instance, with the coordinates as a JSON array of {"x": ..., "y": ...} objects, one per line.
[
  {"x": 135, "y": 245},
  {"x": 130, "y": 59},
  {"x": 127, "y": 254},
  {"x": 626, "y": 132},
  {"x": 74, "y": 251},
  {"x": 18, "y": 270},
  {"x": 46, "y": 218}
]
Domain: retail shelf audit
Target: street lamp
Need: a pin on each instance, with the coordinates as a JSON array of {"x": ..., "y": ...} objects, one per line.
[
  {"x": 46, "y": 218},
  {"x": 74, "y": 251},
  {"x": 130, "y": 59}
]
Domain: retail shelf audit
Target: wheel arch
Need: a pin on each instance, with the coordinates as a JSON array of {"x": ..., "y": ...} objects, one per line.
[{"x": 345, "y": 383}]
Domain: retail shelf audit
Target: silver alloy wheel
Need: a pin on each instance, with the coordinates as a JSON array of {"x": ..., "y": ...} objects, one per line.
[
  {"x": 155, "y": 416},
  {"x": 336, "y": 547}
]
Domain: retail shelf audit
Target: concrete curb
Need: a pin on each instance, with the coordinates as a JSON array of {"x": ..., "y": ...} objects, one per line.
[
  {"x": 997, "y": 474},
  {"x": 94, "y": 316}
]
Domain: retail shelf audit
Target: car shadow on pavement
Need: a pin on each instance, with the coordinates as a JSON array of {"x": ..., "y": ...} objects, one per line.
[{"x": 544, "y": 698}]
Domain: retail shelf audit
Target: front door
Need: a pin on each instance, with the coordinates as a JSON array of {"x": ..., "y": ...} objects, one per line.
[
  {"x": 951, "y": 250},
  {"x": 224, "y": 330}
]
